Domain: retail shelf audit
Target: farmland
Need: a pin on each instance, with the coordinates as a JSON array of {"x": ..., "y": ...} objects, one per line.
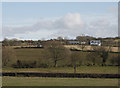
[
  {"x": 81, "y": 69},
  {"x": 39, "y": 81},
  {"x": 60, "y": 44},
  {"x": 28, "y": 54},
  {"x": 35, "y": 55}
]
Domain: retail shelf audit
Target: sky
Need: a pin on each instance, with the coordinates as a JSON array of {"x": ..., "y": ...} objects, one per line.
[{"x": 46, "y": 20}]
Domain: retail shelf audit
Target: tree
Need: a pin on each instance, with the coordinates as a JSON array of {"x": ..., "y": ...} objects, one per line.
[
  {"x": 56, "y": 51},
  {"x": 59, "y": 38},
  {"x": 19, "y": 64},
  {"x": 84, "y": 38},
  {"x": 75, "y": 59},
  {"x": 65, "y": 40},
  {"x": 114, "y": 59},
  {"x": 6, "y": 42},
  {"x": 102, "y": 52},
  {"x": 82, "y": 46},
  {"x": 8, "y": 56},
  {"x": 11, "y": 42},
  {"x": 93, "y": 58}
]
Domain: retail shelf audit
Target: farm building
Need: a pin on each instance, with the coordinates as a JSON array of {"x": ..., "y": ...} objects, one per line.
[{"x": 95, "y": 42}]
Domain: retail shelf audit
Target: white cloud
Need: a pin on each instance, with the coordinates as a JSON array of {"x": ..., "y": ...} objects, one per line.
[
  {"x": 104, "y": 28},
  {"x": 100, "y": 23},
  {"x": 71, "y": 21},
  {"x": 70, "y": 25}
]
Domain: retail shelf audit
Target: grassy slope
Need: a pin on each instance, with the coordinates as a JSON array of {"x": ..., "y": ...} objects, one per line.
[
  {"x": 82, "y": 69},
  {"x": 38, "y": 81}
]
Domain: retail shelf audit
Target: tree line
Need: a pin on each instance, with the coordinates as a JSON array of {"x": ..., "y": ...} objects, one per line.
[{"x": 86, "y": 39}]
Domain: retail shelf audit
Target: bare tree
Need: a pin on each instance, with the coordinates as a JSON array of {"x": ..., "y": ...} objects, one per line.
[
  {"x": 102, "y": 52},
  {"x": 82, "y": 46},
  {"x": 83, "y": 40},
  {"x": 8, "y": 56},
  {"x": 59, "y": 38},
  {"x": 114, "y": 59},
  {"x": 75, "y": 59},
  {"x": 56, "y": 51},
  {"x": 11, "y": 42},
  {"x": 92, "y": 58},
  {"x": 6, "y": 42}
]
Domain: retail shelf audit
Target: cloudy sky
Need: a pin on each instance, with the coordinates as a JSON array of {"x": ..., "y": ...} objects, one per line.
[{"x": 46, "y": 20}]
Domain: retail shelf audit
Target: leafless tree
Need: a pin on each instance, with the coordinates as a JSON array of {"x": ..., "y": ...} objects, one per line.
[
  {"x": 102, "y": 52},
  {"x": 114, "y": 59},
  {"x": 82, "y": 46},
  {"x": 56, "y": 51},
  {"x": 76, "y": 59},
  {"x": 59, "y": 38},
  {"x": 92, "y": 58},
  {"x": 6, "y": 42},
  {"x": 8, "y": 56}
]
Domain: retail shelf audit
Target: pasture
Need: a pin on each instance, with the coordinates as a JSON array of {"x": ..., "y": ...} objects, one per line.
[
  {"x": 28, "y": 54},
  {"x": 81, "y": 69},
  {"x": 36, "y": 54},
  {"x": 42, "y": 81}
]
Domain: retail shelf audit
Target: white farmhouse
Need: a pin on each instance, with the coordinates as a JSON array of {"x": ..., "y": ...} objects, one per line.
[{"x": 95, "y": 42}]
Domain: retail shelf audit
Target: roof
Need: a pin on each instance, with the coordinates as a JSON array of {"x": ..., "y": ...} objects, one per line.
[
  {"x": 72, "y": 42},
  {"x": 95, "y": 41}
]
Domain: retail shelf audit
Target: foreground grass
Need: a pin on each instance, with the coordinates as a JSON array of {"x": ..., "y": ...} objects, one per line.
[
  {"x": 39, "y": 81},
  {"x": 81, "y": 69}
]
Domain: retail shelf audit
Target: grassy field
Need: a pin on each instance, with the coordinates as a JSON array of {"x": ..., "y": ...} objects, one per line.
[
  {"x": 28, "y": 54},
  {"x": 39, "y": 81},
  {"x": 82, "y": 69},
  {"x": 35, "y": 54}
]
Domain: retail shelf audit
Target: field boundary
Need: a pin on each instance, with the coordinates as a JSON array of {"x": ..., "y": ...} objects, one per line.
[{"x": 63, "y": 75}]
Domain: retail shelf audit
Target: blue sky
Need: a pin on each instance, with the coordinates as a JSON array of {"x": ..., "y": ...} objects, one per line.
[{"x": 25, "y": 15}]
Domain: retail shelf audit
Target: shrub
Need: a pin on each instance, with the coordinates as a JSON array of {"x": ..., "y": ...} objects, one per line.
[{"x": 24, "y": 64}]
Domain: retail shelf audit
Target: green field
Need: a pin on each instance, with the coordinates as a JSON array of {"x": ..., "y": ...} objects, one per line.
[
  {"x": 34, "y": 54},
  {"x": 39, "y": 81},
  {"x": 37, "y": 54},
  {"x": 82, "y": 69},
  {"x": 28, "y": 54}
]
